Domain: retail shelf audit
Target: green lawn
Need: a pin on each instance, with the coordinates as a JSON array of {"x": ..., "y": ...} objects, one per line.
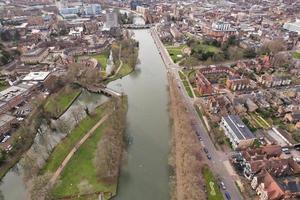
[
  {"x": 175, "y": 51},
  {"x": 209, "y": 48},
  {"x": 296, "y": 55},
  {"x": 125, "y": 70},
  {"x": 186, "y": 84},
  {"x": 57, "y": 103},
  {"x": 213, "y": 190},
  {"x": 81, "y": 168},
  {"x": 64, "y": 147},
  {"x": 102, "y": 59},
  {"x": 181, "y": 75},
  {"x": 188, "y": 89}
]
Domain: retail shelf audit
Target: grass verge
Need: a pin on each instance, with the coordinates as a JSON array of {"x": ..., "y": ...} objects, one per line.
[
  {"x": 296, "y": 55},
  {"x": 102, "y": 59},
  {"x": 176, "y": 52},
  {"x": 213, "y": 190},
  {"x": 64, "y": 147},
  {"x": 71, "y": 180}
]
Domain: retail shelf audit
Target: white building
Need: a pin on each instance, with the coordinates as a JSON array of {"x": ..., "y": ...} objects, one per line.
[
  {"x": 92, "y": 10},
  {"x": 111, "y": 19},
  {"x": 293, "y": 26},
  {"x": 222, "y": 26},
  {"x": 238, "y": 133}
]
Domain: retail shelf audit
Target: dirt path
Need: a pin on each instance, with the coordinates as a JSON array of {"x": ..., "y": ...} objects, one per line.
[
  {"x": 185, "y": 153},
  {"x": 73, "y": 151}
]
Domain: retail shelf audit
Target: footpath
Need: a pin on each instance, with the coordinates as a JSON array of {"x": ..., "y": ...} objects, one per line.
[{"x": 75, "y": 148}]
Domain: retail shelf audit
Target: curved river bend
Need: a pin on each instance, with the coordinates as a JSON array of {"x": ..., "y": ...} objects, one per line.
[{"x": 145, "y": 175}]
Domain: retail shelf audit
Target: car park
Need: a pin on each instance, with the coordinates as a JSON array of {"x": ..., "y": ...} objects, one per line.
[{"x": 227, "y": 195}]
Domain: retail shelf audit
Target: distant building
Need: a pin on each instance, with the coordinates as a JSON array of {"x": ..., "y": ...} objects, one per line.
[
  {"x": 35, "y": 56},
  {"x": 237, "y": 83},
  {"x": 219, "y": 29},
  {"x": 203, "y": 85},
  {"x": 36, "y": 76},
  {"x": 10, "y": 98},
  {"x": 134, "y": 4},
  {"x": 175, "y": 33},
  {"x": 69, "y": 10},
  {"x": 111, "y": 19},
  {"x": 143, "y": 9},
  {"x": 293, "y": 26},
  {"x": 92, "y": 10},
  {"x": 6, "y": 122},
  {"x": 274, "y": 81},
  {"x": 238, "y": 133}
]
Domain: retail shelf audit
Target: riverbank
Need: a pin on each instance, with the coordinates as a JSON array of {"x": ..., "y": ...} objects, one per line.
[{"x": 186, "y": 161}]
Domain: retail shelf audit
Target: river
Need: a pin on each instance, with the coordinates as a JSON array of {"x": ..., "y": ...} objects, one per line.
[{"x": 145, "y": 174}]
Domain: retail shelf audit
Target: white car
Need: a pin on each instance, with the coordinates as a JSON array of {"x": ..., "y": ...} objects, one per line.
[
  {"x": 5, "y": 138},
  {"x": 222, "y": 185}
]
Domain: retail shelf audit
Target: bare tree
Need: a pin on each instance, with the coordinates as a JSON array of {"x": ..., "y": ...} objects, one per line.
[{"x": 40, "y": 189}]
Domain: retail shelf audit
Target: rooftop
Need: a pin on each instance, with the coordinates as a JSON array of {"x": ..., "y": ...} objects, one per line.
[
  {"x": 5, "y": 119},
  {"x": 241, "y": 131},
  {"x": 35, "y": 52},
  {"x": 11, "y": 92},
  {"x": 36, "y": 76}
]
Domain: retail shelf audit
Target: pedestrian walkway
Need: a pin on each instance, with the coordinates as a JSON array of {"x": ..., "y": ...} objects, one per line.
[{"x": 75, "y": 148}]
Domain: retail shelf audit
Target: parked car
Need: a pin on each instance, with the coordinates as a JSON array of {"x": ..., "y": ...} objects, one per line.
[
  {"x": 222, "y": 185},
  {"x": 209, "y": 157},
  {"x": 205, "y": 150},
  {"x": 227, "y": 195},
  {"x": 5, "y": 138}
]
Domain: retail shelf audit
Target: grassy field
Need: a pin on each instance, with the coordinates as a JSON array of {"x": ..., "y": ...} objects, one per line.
[
  {"x": 63, "y": 148},
  {"x": 186, "y": 84},
  {"x": 209, "y": 48},
  {"x": 80, "y": 176},
  {"x": 296, "y": 55},
  {"x": 213, "y": 190},
  {"x": 57, "y": 103},
  {"x": 81, "y": 169},
  {"x": 259, "y": 120},
  {"x": 3, "y": 85},
  {"x": 102, "y": 59},
  {"x": 175, "y": 51}
]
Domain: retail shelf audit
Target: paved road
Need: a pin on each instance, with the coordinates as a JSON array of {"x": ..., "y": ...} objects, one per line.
[
  {"x": 219, "y": 162},
  {"x": 75, "y": 148}
]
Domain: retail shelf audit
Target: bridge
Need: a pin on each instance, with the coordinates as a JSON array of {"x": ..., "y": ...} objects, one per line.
[
  {"x": 136, "y": 26},
  {"x": 104, "y": 90}
]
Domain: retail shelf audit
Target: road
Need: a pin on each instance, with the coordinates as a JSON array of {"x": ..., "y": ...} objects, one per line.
[{"x": 219, "y": 162}]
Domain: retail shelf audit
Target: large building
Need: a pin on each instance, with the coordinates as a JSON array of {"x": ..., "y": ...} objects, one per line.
[
  {"x": 11, "y": 97},
  {"x": 238, "y": 133},
  {"x": 92, "y": 10},
  {"x": 111, "y": 19},
  {"x": 293, "y": 26},
  {"x": 234, "y": 81},
  {"x": 219, "y": 29},
  {"x": 35, "y": 56},
  {"x": 6, "y": 123},
  {"x": 69, "y": 11}
]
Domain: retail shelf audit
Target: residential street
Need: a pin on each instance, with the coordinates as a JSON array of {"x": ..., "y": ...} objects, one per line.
[{"x": 219, "y": 162}]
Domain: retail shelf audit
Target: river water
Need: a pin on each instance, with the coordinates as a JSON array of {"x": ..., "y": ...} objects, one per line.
[{"x": 145, "y": 174}]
